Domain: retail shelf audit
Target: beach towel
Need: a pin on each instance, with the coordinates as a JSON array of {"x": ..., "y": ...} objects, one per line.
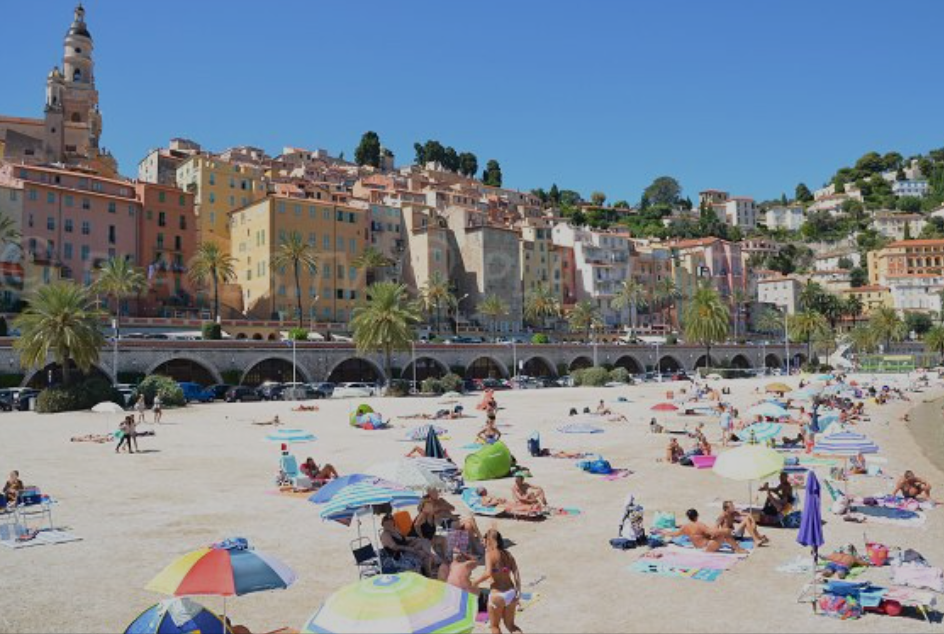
[
  {"x": 698, "y": 574},
  {"x": 690, "y": 559},
  {"x": 893, "y": 516},
  {"x": 566, "y": 512},
  {"x": 684, "y": 542},
  {"x": 473, "y": 501},
  {"x": 617, "y": 474}
]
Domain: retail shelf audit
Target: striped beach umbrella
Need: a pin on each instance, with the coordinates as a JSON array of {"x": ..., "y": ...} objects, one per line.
[
  {"x": 176, "y": 616},
  {"x": 332, "y": 488},
  {"x": 768, "y": 410},
  {"x": 400, "y": 603},
  {"x": 353, "y": 499},
  {"x": 436, "y": 465},
  {"x": 844, "y": 443},
  {"x": 420, "y": 433},
  {"x": 408, "y": 474},
  {"x": 760, "y": 432},
  {"x": 290, "y": 436}
]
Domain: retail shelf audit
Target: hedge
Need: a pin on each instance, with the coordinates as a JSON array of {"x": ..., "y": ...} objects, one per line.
[
  {"x": 591, "y": 377},
  {"x": 78, "y": 396},
  {"x": 211, "y": 330},
  {"x": 171, "y": 394}
]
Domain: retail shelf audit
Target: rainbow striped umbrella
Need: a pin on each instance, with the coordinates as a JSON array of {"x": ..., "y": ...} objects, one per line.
[
  {"x": 403, "y": 603},
  {"x": 176, "y": 616}
]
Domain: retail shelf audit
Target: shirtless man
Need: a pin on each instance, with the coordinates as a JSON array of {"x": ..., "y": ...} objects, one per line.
[
  {"x": 913, "y": 487},
  {"x": 525, "y": 493},
  {"x": 840, "y": 564},
  {"x": 740, "y": 524},
  {"x": 780, "y": 496},
  {"x": 703, "y": 537},
  {"x": 674, "y": 452}
]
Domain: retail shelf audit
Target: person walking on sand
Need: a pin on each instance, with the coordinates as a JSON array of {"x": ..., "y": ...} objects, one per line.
[
  {"x": 158, "y": 409},
  {"x": 505, "y": 593},
  {"x": 132, "y": 435},
  {"x": 140, "y": 407},
  {"x": 124, "y": 437}
]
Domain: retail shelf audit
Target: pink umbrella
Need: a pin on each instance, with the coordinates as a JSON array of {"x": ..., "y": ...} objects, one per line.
[{"x": 664, "y": 407}]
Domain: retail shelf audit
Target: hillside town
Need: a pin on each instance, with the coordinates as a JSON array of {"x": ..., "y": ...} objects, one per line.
[{"x": 483, "y": 258}]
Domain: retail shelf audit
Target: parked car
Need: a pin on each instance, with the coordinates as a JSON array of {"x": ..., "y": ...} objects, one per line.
[
  {"x": 6, "y": 400},
  {"x": 219, "y": 390},
  {"x": 547, "y": 381},
  {"x": 300, "y": 392},
  {"x": 271, "y": 391},
  {"x": 493, "y": 384},
  {"x": 22, "y": 400},
  {"x": 357, "y": 389},
  {"x": 127, "y": 393},
  {"x": 241, "y": 393},
  {"x": 325, "y": 387},
  {"x": 194, "y": 392},
  {"x": 566, "y": 381}
]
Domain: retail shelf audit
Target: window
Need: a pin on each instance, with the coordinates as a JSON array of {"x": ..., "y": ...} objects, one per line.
[
  {"x": 340, "y": 270},
  {"x": 160, "y": 241},
  {"x": 326, "y": 271},
  {"x": 281, "y": 290},
  {"x": 281, "y": 207},
  {"x": 340, "y": 244},
  {"x": 232, "y": 182},
  {"x": 112, "y": 234},
  {"x": 13, "y": 195},
  {"x": 68, "y": 225},
  {"x": 69, "y": 200},
  {"x": 298, "y": 211},
  {"x": 312, "y": 239},
  {"x": 161, "y": 219},
  {"x": 281, "y": 236},
  {"x": 178, "y": 243},
  {"x": 325, "y": 242},
  {"x": 182, "y": 221},
  {"x": 181, "y": 200},
  {"x": 86, "y": 227},
  {"x": 326, "y": 214},
  {"x": 33, "y": 195},
  {"x": 232, "y": 201},
  {"x": 50, "y": 197},
  {"x": 86, "y": 203},
  {"x": 212, "y": 218},
  {"x": 212, "y": 198},
  {"x": 352, "y": 273},
  {"x": 212, "y": 179},
  {"x": 51, "y": 223},
  {"x": 339, "y": 293},
  {"x": 50, "y": 248},
  {"x": 84, "y": 252},
  {"x": 339, "y": 215},
  {"x": 352, "y": 246},
  {"x": 311, "y": 212},
  {"x": 352, "y": 218}
]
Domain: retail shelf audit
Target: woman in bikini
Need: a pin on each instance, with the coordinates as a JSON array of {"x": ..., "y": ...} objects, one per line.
[
  {"x": 310, "y": 469},
  {"x": 489, "y": 434},
  {"x": 401, "y": 553},
  {"x": 505, "y": 590}
]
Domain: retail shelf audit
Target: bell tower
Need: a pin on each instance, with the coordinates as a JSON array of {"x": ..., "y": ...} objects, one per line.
[{"x": 80, "y": 98}]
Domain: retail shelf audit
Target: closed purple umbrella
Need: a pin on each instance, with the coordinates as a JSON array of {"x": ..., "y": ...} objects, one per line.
[{"x": 811, "y": 524}]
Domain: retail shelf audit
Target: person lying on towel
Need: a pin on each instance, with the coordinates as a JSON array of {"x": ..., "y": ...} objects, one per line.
[{"x": 704, "y": 537}]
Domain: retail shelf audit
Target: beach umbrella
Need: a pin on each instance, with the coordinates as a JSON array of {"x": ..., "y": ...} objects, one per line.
[
  {"x": 748, "y": 463},
  {"x": 781, "y": 388},
  {"x": 108, "y": 407},
  {"x": 664, "y": 407},
  {"x": 228, "y": 568},
  {"x": 437, "y": 465},
  {"x": 291, "y": 436},
  {"x": 176, "y": 616},
  {"x": 760, "y": 432},
  {"x": 580, "y": 428},
  {"x": 434, "y": 448},
  {"x": 401, "y": 603},
  {"x": 811, "y": 523},
  {"x": 844, "y": 443},
  {"x": 420, "y": 433},
  {"x": 768, "y": 410},
  {"x": 407, "y": 474},
  {"x": 332, "y": 488},
  {"x": 360, "y": 497}
]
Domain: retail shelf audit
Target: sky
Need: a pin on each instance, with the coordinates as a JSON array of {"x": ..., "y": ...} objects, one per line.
[{"x": 747, "y": 96}]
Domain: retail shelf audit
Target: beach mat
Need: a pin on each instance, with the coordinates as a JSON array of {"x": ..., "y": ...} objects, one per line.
[
  {"x": 617, "y": 474},
  {"x": 46, "y": 537},
  {"x": 892, "y": 516},
  {"x": 697, "y": 574}
]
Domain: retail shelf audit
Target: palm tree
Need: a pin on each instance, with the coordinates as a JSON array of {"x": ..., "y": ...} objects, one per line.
[
  {"x": 739, "y": 299},
  {"x": 887, "y": 326},
  {"x": 370, "y": 260},
  {"x": 770, "y": 321},
  {"x": 707, "y": 319},
  {"x": 9, "y": 234},
  {"x": 295, "y": 252},
  {"x": 118, "y": 278},
  {"x": 805, "y": 326},
  {"x": 811, "y": 297},
  {"x": 540, "y": 303},
  {"x": 435, "y": 295},
  {"x": 832, "y": 308},
  {"x": 493, "y": 307},
  {"x": 665, "y": 294},
  {"x": 384, "y": 323},
  {"x": 632, "y": 295},
  {"x": 934, "y": 340},
  {"x": 862, "y": 339},
  {"x": 584, "y": 316},
  {"x": 213, "y": 263},
  {"x": 61, "y": 320},
  {"x": 852, "y": 307}
]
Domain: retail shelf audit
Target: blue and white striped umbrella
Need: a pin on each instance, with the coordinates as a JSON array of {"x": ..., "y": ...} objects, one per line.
[
  {"x": 767, "y": 410},
  {"x": 761, "y": 432},
  {"x": 436, "y": 465},
  {"x": 844, "y": 443},
  {"x": 356, "y": 498},
  {"x": 421, "y": 432},
  {"x": 580, "y": 428},
  {"x": 291, "y": 436}
]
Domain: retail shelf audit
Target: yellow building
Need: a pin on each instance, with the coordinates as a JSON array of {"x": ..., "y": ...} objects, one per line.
[
  {"x": 541, "y": 261},
  {"x": 906, "y": 257},
  {"x": 219, "y": 187},
  {"x": 872, "y": 297},
  {"x": 338, "y": 234}
]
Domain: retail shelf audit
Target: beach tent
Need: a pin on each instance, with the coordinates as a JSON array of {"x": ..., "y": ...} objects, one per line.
[
  {"x": 488, "y": 463},
  {"x": 366, "y": 418}
]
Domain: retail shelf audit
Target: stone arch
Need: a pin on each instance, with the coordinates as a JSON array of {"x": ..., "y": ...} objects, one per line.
[
  {"x": 630, "y": 363},
  {"x": 240, "y": 335},
  {"x": 425, "y": 367},
  {"x": 581, "y": 363},
  {"x": 798, "y": 359},
  {"x": 486, "y": 367},
  {"x": 273, "y": 337},
  {"x": 705, "y": 362},
  {"x": 668, "y": 363},
  {"x": 741, "y": 362},
  {"x": 538, "y": 366},
  {"x": 773, "y": 361},
  {"x": 273, "y": 368},
  {"x": 256, "y": 336},
  {"x": 186, "y": 369},
  {"x": 355, "y": 369},
  {"x": 39, "y": 379}
]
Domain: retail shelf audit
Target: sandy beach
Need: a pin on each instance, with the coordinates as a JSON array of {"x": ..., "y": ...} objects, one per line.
[{"x": 208, "y": 474}]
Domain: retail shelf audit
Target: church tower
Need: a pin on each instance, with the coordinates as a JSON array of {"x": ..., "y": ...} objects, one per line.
[{"x": 80, "y": 98}]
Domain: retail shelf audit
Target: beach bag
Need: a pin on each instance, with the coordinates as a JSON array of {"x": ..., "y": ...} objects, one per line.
[
  {"x": 664, "y": 521},
  {"x": 621, "y": 543},
  {"x": 877, "y": 554},
  {"x": 534, "y": 445}
]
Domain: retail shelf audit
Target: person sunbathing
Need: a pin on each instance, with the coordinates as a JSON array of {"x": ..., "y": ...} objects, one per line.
[
  {"x": 705, "y": 538},
  {"x": 674, "y": 452},
  {"x": 13, "y": 487},
  {"x": 528, "y": 494},
  {"x": 912, "y": 487},
  {"x": 310, "y": 469},
  {"x": 841, "y": 564},
  {"x": 857, "y": 465},
  {"x": 740, "y": 524},
  {"x": 603, "y": 410},
  {"x": 305, "y": 408},
  {"x": 779, "y": 497},
  {"x": 799, "y": 441}
]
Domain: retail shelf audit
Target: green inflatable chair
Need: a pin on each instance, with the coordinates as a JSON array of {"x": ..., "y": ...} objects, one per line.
[{"x": 488, "y": 463}]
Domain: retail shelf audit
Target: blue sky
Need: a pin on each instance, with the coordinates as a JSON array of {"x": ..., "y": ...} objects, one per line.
[{"x": 745, "y": 95}]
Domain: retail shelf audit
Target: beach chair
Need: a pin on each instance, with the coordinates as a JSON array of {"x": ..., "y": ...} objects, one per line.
[
  {"x": 366, "y": 557},
  {"x": 404, "y": 521},
  {"x": 31, "y": 503},
  {"x": 289, "y": 473}
]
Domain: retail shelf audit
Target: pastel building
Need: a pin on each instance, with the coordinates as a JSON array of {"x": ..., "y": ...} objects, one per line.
[
  {"x": 916, "y": 293},
  {"x": 160, "y": 165},
  {"x": 906, "y": 257},
  {"x": 329, "y": 293},
  {"x": 872, "y": 297},
  {"x": 898, "y": 226},
  {"x": 708, "y": 260},
  {"x": 787, "y": 218},
  {"x": 740, "y": 211},
  {"x": 916, "y": 188},
  {"x": 602, "y": 263},
  {"x": 541, "y": 259},
  {"x": 782, "y": 292}
]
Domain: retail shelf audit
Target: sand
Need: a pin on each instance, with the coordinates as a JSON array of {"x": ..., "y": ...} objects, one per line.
[{"x": 208, "y": 474}]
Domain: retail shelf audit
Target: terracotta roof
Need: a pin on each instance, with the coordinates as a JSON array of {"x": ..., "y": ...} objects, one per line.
[
  {"x": 695, "y": 242},
  {"x": 937, "y": 242},
  {"x": 867, "y": 289}
]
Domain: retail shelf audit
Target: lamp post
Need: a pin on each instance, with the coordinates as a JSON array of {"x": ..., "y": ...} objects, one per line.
[
  {"x": 293, "y": 364},
  {"x": 114, "y": 350},
  {"x": 458, "y": 311},
  {"x": 514, "y": 355},
  {"x": 786, "y": 337},
  {"x": 658, "y": 364},
  {"x": 413, "y": 360}
]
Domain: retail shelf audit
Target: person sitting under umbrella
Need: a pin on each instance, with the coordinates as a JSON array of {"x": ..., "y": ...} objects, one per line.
[
  {"x": 404, "y": 554},
  {"x": 740, "y": 524},
  {"x": 310, "y": 469},
  {"x": 780, "y": 497},
  {"x": 913, "y": 487}
]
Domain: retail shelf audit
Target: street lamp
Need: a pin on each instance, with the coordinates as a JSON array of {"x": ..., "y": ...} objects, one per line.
[
  {"x": 114, "y": 351},
  {"x": 658, "y": 363},
  {"x": 786, "y": 337},
  {"x": 458, "y": 302}
]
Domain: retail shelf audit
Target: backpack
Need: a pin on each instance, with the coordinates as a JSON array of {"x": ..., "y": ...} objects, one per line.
[
  {"x": 597, "y": 465},
  {"x": 534, "y": 444}
]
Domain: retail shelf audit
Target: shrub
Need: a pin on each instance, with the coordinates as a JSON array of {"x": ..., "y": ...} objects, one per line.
[
  {"x": 78, "y": 396},
  {"x": 451, "y": 383},
  {"x": 170, "y": 392},
  {"x": 591, "y": 377},
  {"x": 398, "y": 387},
  {"x": 298, "y": 334},
  {"x": 11, "y": 380},
  {"x": 231, "y": 377},
  {"x": 620, "y": 375},
  {"x": 540, "y": 338},
  {"x": 211, "y": 330},
  {"x": 431, "y": 385},
  {"x": 671, "y": 340}
]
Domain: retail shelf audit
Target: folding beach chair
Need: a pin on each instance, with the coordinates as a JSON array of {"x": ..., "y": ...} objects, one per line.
[
  {"x": 289, "y": 473},
  {"x": 31, "y": 503},
  {"x": 366, "y": 558}
]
